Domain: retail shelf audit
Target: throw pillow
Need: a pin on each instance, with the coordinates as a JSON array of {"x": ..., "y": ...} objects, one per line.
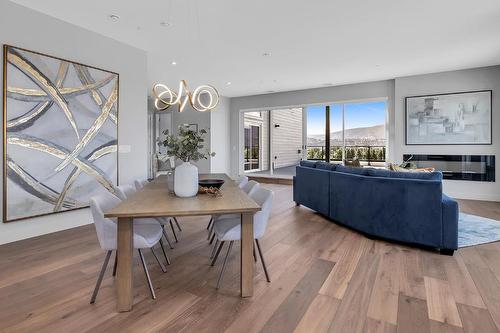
[
  {"x": 395, "y": 167},
  {"x": 353, "y": 164}
]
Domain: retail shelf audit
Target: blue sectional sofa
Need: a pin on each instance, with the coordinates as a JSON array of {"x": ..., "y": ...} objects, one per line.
[{"x": 400, "y": 206}]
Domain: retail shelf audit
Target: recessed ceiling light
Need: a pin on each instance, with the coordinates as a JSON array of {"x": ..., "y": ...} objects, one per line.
[
  {"x": 266, "y": 54},
  {"x": 228, "y": 83},
  {"x": 114, "y": 17},
  {"x": 165, "y": 24},
  {"x": 173, "y": 63}
]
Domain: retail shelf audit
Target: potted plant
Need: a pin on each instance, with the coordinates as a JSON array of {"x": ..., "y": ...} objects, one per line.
[{"x": 187, "y": 146}]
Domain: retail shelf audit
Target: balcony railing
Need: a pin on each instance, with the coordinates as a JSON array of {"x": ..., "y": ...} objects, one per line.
[{"x": 363, "y": 153}]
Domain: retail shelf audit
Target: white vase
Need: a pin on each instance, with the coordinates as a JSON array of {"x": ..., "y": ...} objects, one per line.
[{"x": 186, "y": 180}]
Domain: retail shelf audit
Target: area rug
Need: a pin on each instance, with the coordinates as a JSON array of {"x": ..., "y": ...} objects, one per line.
[{"x": 475, "y": 230}]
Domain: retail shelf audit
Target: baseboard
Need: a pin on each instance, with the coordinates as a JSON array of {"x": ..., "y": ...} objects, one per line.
[
  {"x": 475, "y": 196},
  {"x": 270, "y": 180}
]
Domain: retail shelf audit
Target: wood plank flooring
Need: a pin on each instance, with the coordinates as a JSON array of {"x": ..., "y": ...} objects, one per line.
[{"x": 325, "y": 278}]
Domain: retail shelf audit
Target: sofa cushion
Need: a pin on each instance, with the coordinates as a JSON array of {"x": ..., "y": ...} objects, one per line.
[
  {"x": 405, "y": 174},
  {"x": 308, "y": 164},
  {"x": 417, "y": 175},
  {"x": 379, "y": 172},
  {"x": 325, "y": 166},
  {"x": 356, "y": 171}
]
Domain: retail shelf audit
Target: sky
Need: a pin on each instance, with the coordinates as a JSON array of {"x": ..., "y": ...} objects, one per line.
[{"x": 356, "y": 115}]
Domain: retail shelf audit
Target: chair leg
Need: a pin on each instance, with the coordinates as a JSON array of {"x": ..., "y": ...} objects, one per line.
[
  {"x": 173, "y": 230},
  {"x": 163, "y": 269},
  {"x": 254, "y": 256},
  {"x": 148, "y": 279},
  {"x": 211, "y": 231},
  {"x": 177, "y": 224},
  {"x": 210, "y": 223},
  {"x": 166, "y": 237},
  {"x": 212, "y": 239},
  {"x": 216, "y": 245},
  {"x": 164, "y": 253},
  {"x": 224, "y": 264},
  {"x": 217, "y": 253},
  {"x": 101, "y": 275},
  {"x": 116, "y": 263},
  {"x": 262, "y": 260}
]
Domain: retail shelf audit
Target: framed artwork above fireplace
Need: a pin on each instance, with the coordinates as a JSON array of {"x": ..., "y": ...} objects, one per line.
[{"x": 449, "y": 119}]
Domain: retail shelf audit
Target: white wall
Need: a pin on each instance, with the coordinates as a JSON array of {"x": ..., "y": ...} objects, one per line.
[
  {"x": 349, "y": 92},
  {"x": 32, "y": 30},
  {"x": 287, "y": 138},
  {"x": 219, "y": 136},
  {"x": 448, "y": 82}
]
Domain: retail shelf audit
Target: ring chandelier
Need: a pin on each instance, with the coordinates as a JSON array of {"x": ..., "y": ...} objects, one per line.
[{"x": 165, "y": 97}]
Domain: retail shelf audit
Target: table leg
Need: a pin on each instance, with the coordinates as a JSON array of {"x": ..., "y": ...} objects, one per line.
[
  {"x": 124, "y": 277},
  {"x": 247, "y": 264}
]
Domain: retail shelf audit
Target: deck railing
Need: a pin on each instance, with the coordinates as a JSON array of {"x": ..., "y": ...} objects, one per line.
[{"x": 363, "y": 153}]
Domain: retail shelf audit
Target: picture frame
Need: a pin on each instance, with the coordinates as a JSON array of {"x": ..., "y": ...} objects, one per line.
[
  {"x": 60, "y": 131},
  {"x": 459, "y": 118}
]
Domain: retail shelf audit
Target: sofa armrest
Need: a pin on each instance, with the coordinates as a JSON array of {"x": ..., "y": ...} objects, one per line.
[
  {"x": 450, "y": 222},
  {"x": 311, "y": 189}
]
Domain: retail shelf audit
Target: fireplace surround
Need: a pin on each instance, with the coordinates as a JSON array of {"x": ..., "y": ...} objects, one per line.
[{"x": 457, "y": 167}]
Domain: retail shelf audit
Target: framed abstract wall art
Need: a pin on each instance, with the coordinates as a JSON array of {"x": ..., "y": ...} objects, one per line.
[
  {"x": 60, "y": 126},
  {"x": 449, "y": 119}
]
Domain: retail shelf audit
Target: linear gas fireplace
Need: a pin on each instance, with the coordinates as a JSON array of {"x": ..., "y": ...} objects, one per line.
[{"x": 458, "y": 167}]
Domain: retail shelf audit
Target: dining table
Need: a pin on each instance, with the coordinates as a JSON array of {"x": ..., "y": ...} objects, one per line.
[{"x": 156, "y": 200}]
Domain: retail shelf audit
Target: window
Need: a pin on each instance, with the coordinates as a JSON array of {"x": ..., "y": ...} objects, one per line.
[
  {"x": 252, "y": 147},
  {"x": 356, "y": 130},
  {"x": 316, "y": 128}
]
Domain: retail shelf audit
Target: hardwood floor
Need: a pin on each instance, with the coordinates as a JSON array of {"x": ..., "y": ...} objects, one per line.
[{"x": 325, "y": 278}]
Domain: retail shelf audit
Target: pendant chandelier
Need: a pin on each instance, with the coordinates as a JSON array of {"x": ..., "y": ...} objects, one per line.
[{"x": 203, "y": 98}]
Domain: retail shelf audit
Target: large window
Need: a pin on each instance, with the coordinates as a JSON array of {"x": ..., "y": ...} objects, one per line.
[
  {"x": 316, "y": 127},
  {"x": 356, "y": 130}
]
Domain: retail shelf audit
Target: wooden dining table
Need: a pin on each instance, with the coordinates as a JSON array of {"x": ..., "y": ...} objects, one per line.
[{"x": 155, "y": 200}]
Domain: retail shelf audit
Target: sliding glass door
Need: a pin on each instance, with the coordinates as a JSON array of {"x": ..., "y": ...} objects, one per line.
[
  {"x": 316, "y": 132},
  {"x": 364, "y": 131},
  {"x": 346, "y": 131},
  {"x": 252, "y": 148}
]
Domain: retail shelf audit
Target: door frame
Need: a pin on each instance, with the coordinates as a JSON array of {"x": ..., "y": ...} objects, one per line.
[{"x": 260, "y": 149}]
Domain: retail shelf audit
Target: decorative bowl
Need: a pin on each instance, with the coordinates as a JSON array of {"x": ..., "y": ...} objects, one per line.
[{"x": 217, "y": 183}]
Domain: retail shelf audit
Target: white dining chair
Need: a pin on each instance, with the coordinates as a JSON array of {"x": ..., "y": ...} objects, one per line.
[
  {"x": 248, "y": 188},
  {"x": 242, "y": 181},
  {"x": 140, "y": 183},
  {"x": 146, "y": 236},
  {"x": 127, "y": 190},
  {"x": 229, "y": 229}
]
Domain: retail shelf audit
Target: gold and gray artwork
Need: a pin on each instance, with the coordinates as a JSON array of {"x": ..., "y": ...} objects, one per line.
[{"x": 60, "y": 127}]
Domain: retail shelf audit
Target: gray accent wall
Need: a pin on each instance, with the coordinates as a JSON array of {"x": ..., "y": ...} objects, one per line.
[
  {"x": 484, "y": 78},
  {"x": 191, "y": 116}
]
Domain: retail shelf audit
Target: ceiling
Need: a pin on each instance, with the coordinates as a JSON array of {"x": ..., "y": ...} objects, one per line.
[{"x": 310, "y": 43}]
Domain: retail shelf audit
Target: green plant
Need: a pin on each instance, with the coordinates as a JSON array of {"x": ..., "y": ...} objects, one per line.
[{"x": 187, "y": 145}]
